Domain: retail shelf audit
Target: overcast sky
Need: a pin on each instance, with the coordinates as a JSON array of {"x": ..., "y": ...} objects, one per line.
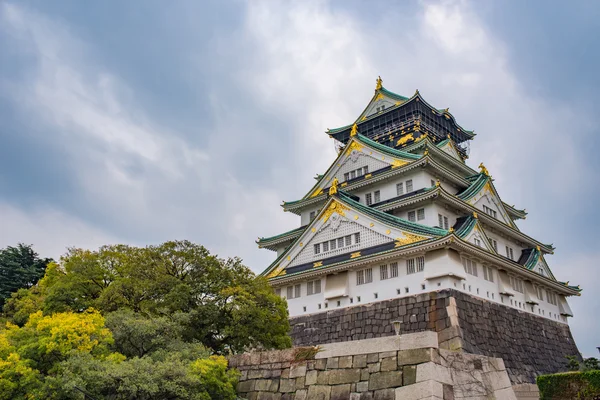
[{"x": 144, "y": 121}]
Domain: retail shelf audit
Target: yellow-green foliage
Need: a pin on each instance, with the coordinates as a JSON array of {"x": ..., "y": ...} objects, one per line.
[{"x": 570, "y": 385}]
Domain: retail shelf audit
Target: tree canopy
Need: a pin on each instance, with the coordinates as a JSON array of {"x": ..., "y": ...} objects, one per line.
[
  {"x": 20, "y": 267},
  {"x": 126, "y": 322}
]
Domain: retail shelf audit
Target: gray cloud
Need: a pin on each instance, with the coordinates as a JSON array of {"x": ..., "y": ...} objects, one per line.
[{"x": 206, "y": 142}]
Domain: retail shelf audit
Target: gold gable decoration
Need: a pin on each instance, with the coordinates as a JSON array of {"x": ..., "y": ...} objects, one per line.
[
  {"x": 408, "y": 239},
  {"x": 276, "y": 272},
  {"x": 334, "y": 207}
]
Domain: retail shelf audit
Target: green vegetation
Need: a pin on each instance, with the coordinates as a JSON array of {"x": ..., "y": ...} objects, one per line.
[
  {"x": 136, "y": 323},
  {"x": 570, "y": 385},
  {"x": 20, "y": 267}
]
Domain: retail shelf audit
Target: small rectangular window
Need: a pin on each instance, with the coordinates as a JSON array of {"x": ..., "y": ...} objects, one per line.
[
  {"x": 352, "y": 174},
  {"x": 410, "y": 266},
  {"x": 309, "y": 288},
  {"x": 318, "y": 286},
  {"x": 399, "y": 189},
  {"x": 357, "y": 238},
  {"x": 297, "y": 289},
  {"x": 377, "y": 196},
  {"x": 432, "y": 182},
  {"x": 488, "y": 273},
  {"x": 421, "y": 214},
  {"x": 325, "y": 247},
  {"x": 409, "y": 186},
  {"x": 340, "y": 242},
  {"x": 446, "y": 225},
  {"x": 346, "y": 176},
  {"x": 317, "y": 248},
  {"x": 440, "y": 221},
  {"x": 312, "y": 215},
  {"x": 383, "y": 272},
  {"x": 348, "y": 240},
  {"x": 360, "y": 277},
  {"x": 332, "y": 244},
  {"x": 278, "y": 292},
  {"x": 366, "y": 168},
  {"x": 420, "y": 264},
  {"x": 290, "y": 292},
  {"x": 394, "y": 270},
  {"x": 477, "y": 242},
  {"x": 368, "y": 275},
  {"x": 494, "y": 244},
  {"x": 412, "y": 216},
  {"x": 368, "y": 199}
]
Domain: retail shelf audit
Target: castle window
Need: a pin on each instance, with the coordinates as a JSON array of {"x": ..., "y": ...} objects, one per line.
[
  {"x": 421, "y": 214},
  {"x": 470, "y": 266},
  {"x": 410, "y": 266},
  {"x": 317, "y": 248},
  {"x": 313, "y": 287},
  {"x": 293, "y": 291},
  {"x": 420, "y": 264},
  {"x": 443, "y": 221},
  {"x": 339, "y": 303},
  {"x": 399, "y": 189},
  {"x": 412, "y": 216},
  {"x": 517, "y": 284},
  {"x": 357, "y": 238},
  {"x": 477, "y": 242},
  {"x": 488, "y": 273},
  {"x": 358, "y": 299},
  {"x": 347, "y": 176},
  {"x": 332, "y": 244},
  {"x": 494, "y": 244},
  {"x": 319, "y": 306},
  {"x": 368, "y": 199},
  {"x": 304, "y": 308},
  {"x": 552, "y": 298},
  {"x": 375, "y": 295},
  {"x": 406, "y": 290},
  {"x": 278, "y": 292},
  {"x": 325, "y": 247},
  {"x": 540, "y": 293},
  {"x": 423, "y": 287},
  {"x": 509, "y": 253},
  {"x": 541, "y": 270},
  {"x": 364, "y": 276},
  {"x": 394, "y": 270},
  {"x": 383, "y": 272},
  {"x": 312, "y": 215},
  {"x": 409, "y": 186},
  {"x": 432, "y": 182},
  {"x": 377, "y": 196},
  {"x": 489, "y": 211},
  {"x": 352, "y": 174},
  {"x": 340, "y": 242},
  {"x": 348, "y": 240}
]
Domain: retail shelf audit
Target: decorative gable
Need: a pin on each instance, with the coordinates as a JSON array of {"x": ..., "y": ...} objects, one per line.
[
  {"x": 356, "y": 160},
  {"x": 488, "y": 201},
  {"x": 478, "y": 237},
  {"x": 449, "y": 148},
  {"x": 340, "y": 233},
  {"x": 541, "y": 267}
]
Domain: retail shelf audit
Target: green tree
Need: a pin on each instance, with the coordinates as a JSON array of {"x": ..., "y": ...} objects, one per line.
[
  {"x": 20, "y": 267},
  {"x": 220, "y": 303}
]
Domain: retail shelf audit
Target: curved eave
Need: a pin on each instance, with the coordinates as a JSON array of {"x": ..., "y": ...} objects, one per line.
[
  {"x": 514, "y": 212},
  {"x": 416, "y": 97},
  {"x": 435, "y": 150},
  {"x": 450, "y": 240},
  {"x": 468, "y": 208},
  {"x": 297, "y": 206},
  {"x": 272, "y": 242}
]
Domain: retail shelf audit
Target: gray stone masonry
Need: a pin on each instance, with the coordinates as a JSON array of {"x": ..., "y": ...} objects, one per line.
[
  {"x": 528, "y": 344},
  {"x": 409, "y": 367}
]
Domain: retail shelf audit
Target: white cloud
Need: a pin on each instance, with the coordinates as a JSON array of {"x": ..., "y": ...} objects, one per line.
[{"x": 50, "y": 231}]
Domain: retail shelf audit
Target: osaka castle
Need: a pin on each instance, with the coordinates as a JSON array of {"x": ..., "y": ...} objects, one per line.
[{"x": 399, "y": 213}]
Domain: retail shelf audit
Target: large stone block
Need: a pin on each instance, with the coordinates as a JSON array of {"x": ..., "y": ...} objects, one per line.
[
  {"x": 389, "y": 364},
  {"x": 297, "y": 370},
  {"x": 340, "y": 376},
  {"x": 319, "y": 392},
  {"x": 384, "y": 394},
  {"x": 311, "y": 378},
  {"x": 384, "y": 380},
  {"x": 420, "y": 390},
  {"x": 359, "y": 361},
  {"x": 415, "y": 356},
  {"x": 287, "y": 385},
  {"x": 340, "y": 392},
  {"x": 263, "y": 385},
  {"x": 409, "y": 374},
  {"x": 246, "y": 386},
  {"x": 345, "y": 362},
  {"x": 432, "y": 371}
]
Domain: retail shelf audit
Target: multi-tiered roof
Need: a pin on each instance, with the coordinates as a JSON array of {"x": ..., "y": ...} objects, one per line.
[{"x": 400, "y": 134}]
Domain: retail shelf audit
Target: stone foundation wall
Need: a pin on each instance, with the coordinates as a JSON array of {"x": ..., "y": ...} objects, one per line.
[
  {"x": 528, "y": 344},
  {"x": 389, "y": 368}
]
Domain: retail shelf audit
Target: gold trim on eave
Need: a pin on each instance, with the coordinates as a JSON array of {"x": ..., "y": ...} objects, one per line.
[{"x": 355, "y": 255}]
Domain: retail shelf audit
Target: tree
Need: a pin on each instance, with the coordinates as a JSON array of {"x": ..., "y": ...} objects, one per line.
[
  {"x": 219, "y": 303},
  {"x": 20, "y": 267}
]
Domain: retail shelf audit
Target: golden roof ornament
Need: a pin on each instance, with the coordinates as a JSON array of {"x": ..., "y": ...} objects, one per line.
[
  {"x": 537, "y": 248},
  {"x": 334, "y": 187},
  {"x": 474, "y": 215},
  {"x": 354, "y": 130},
  {"x": 483, "y": 169},
  {"x": 379, "y": 83},
  {"x": 451, "y": 230},
  {"x": 437, "y": 183}
]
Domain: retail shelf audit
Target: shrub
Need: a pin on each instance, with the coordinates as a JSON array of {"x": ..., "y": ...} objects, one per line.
[{"x": 570, "y": 385}]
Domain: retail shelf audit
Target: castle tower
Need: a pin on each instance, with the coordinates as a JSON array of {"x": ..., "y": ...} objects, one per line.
[{"x": 399, "y": 213}]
